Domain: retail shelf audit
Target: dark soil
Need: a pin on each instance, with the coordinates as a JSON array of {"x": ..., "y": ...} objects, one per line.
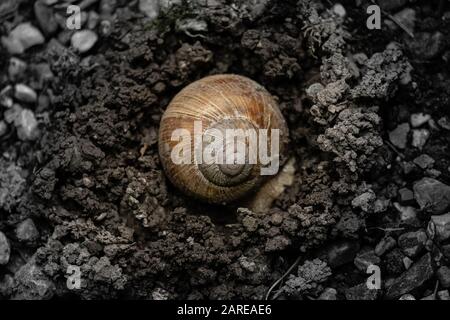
[{"x": 94, "y": 187}]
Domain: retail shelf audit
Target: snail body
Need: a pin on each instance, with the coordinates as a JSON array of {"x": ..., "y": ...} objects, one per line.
[{"x": 216, "y": 166}]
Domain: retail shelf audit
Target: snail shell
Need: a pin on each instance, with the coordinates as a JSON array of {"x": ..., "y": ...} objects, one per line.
[{"x": 220, "y": 102}]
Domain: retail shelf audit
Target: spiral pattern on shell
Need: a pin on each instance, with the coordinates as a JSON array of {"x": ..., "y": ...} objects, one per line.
[{"x": 219, "y": 102}]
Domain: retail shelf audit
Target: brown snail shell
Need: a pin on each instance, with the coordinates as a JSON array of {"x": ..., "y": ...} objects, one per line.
[{"x": 222, "y": 102}]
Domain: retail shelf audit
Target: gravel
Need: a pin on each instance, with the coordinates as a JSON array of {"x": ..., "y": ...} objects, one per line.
[
  {"x": 84, "y": 40},
  {"x": 386, "y": 244},
  {"x": 27, "y": 125},
  {"x": 5, "y": 249},
  {"x": 441, "y": 226},
  {"x": 424, "y": 161},
  {"x": 26, "y": 231},
  {"x": 443, "y": 274},
  {"x": 22, "y": 37},
  {"x": 419, "y": 119},
  {"x": 412, "y": 243},
  {"x": 411, "y": 279},
  {"x": 24, "y": 93},
  {"x": 432, "y": 195},
  {"x": 399, "y": 135},
  {"x": 420, "y": 138}
]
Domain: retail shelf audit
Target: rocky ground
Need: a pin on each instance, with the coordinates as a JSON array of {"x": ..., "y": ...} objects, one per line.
[{"x": 81, "y": 184}]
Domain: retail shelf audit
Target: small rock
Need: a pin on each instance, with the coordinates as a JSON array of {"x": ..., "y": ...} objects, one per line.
[
  {"x": 405, "y": 195},
  {"x": 443, "y": 274},
  {"x": 314, "y": 89},
  {"x": 26, "y": 231},
  {"x": 426, "y": 45},
  {"x": 341, "y": 253},
  {"x": 339, "y": 10},
  {"x": 412, "y": 278},
  {"x": 432, "y": 195},
  {"x": 407, "y": 262},
  {"x": 46, "y": 19},
  {"x": 445, "y": 249},
  {"x": 420, "y": 138},
  {"x": 441, "y": 226},
  {"x": 385, "y": 245},
  {"x": 16, "y": 68},
  {"x": 408, "y": 215},
  {"x": 160, "y": 294},
  {"x": 418, "y": 119},
  {"x": 365, "y": 201},
  {"x": 84, "y": 40},
  {"x": 424, "y": 161},
  {"x": 361, "y": 292},
  {"x": 443, "y": 295},
  {"x": 93, "y": 20},
  {"x": 150, "y": 8},
  {"x": 24, "y": 93},
  {"x": 6, "y": 286},
  {"x": 27, "y": 126},
  {"x": 5, "y": 249},
  {"x": 22, "y": 37},
  {"x": 399, "y": 135},
  {"x": 12, "y": 115},
  {"x": 412, "y": 243},
  {"x": 328, "y": 294},
  {"x": 393, "y": 261},
  {"x": 407, "y": 297},
  {"x": 444, "y": 123},
  {"x": 365, "y": 259},
  {"x": 3, "y": 128},
  {"x": 407, "y": 17},
  {"x": 381, "y": 205}
]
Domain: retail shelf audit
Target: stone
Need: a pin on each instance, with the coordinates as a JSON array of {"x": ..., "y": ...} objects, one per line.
[
  {"x": 5, "y": 249},
  {"x": 3, "y": 128},
  {"x": 365, "y": 259},
  {"x": 419, "y": 119},
  {"x": 443, "y": 295},
  {"x": 407, "y": 262},
  {"x": 361, "y": 292},
  {"x": 412, "y": 243},
  {"x": 339, "y": 10},
  {"x": 445, "y": 249},
  {"x": 32, "y": 284},
  {"x": 412, "y": 278},
  {"x": 432, "y": 195},
  {"x": 150, "y": 8},
  {"x": 426, "y": 45},
  {"x": 341, "y": 253},
  {"x": 27, "y": 126},
  {"x": 24, "y": 93},
  {"x": 407, "y": 17},
  {"x": 12, "y": 115},
  {"x": 444, "y": 122},
  {"x": 365, "y": 201},
  {"x": 420, "y": 138},
  {"x": 441, "y": 226},
  {"x": 408, "y": 215},
  {"x": 328, "y": 294},
  {"x": 16, "y": 68},
  {"x": 45, "y": 17},
  {"x": 399, "y": 135},
  {"x": 22, "y": 37},
  {"x": 84, "y": 40},
  {"x": 407, "y": 297},
  {"x": 443, "y": 274},
  {"x": 405, "y": 195},
  {"x": 26, "y": 231},
  {"x": 386, "y": 244},
  {"x": 424, "y": 161}
]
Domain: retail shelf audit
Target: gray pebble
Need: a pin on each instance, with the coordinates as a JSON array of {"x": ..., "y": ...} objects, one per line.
[
  {"x": 441, "y": 226},
  {"x": 26, "y": 231},
  {"x": 16, "y": 68},
  {"x": 27, "y": 126},
  {"x": 420, "y": 138},
  {"x": 424, "y": 161},
  {"x": 22, "y": 37},
  {"x": 412, "y": 243},
  {"x": 5, "y": 249},
  {"x": 399, "y": 135},
  {"x": 386, "y": 244},
  {"x": 443, "y": 275},
  {"x": 432, "y": 195},
  {"x": 419, "y": 119},
  {"x": 24, "y": 93},
  {"x": 84, "y": 40},
  {"x": 150, "y": 8},
  {"x": 44, "y": 16}
]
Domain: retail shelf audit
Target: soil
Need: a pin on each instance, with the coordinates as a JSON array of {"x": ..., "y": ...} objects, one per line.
[{"x": 93, "y": 185}]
